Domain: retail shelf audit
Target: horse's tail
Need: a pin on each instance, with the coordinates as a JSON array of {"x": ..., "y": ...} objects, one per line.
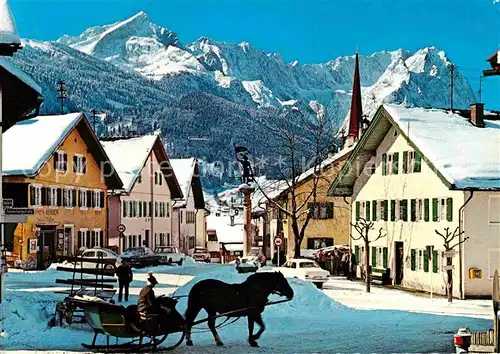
[{"x": 192, "y": 309}]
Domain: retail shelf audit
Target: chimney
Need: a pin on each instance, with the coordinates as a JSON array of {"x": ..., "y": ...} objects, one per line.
[{"x": 477, "y": 114}]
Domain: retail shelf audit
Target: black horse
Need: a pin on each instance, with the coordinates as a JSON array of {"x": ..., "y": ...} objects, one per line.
[{"x": 215, "y": 296}]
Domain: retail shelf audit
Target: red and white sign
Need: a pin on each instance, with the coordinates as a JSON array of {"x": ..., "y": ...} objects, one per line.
[{"x": 278, "y": 241}]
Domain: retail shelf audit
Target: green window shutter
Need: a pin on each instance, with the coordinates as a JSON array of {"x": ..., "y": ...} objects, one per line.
[
  {"x": 404, "y": 205},
  {"x": 384, "y": 164},
  {"x": 413, "y": 210},
  {"x": 393, "y": 210},
  {"x": 374, "y": 256},
  {"x": 417, "y": 167},
  {"x": 386, "y": 210},
  {"x": 356, "y": 252},
  {"x": 358, "y": 210},
  {"x": 329, "y": 210},
  {"x": 405, "y": 161},
  {"x": 395, "y": 163},
  {"x": 449, "y": 209},
  {"x": 385, "y": 257},
  {"x": 367, "y": 207},
  {"x": 434, "y": 209},
  {"x": 426, "y": 209},
  {"x": 413, "y": 259},
  {"x": 434, "y": 261},
  {"x": 426, "y": 262},
  {"x": 374, "y": 210}
]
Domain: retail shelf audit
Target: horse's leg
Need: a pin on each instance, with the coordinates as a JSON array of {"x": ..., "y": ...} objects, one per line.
[
  {"x": 258, "y": 319},
  {"x": 190, "y": 315},
  {"x": 211, "y": 325},
  {"x": 251, "y": 337}
]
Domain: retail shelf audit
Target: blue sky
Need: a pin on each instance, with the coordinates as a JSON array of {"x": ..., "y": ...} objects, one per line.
[{"x": 311, "y": 31}]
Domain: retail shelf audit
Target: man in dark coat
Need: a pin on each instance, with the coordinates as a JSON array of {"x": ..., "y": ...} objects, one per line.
[
  {"x": 125, "y": 277},
  {"x": 147, "y": 297},
  {"x": 353, "y": 264}
]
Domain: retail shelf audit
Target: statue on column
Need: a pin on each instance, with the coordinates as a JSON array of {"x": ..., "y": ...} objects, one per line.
[{"x": 241, "y": 154}]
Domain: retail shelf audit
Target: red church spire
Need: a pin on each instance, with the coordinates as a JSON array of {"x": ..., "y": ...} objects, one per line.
[{"x": 356, "y": 109}]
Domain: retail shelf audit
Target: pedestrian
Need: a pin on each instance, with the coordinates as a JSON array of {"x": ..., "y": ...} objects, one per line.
[
  {"x": 336, "y": 262},
  {"x": 345, "y": 264},
  {"x": 353, "y": 264},
  {"x": 125, "y": 277}
]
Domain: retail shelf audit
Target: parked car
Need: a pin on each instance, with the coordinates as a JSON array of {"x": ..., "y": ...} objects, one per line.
[
  {"x": 170, "y": 254},
  {"x": 95, "y": 253},
  {"x": 201, "y": 254},
  {"x": 140, "y": 257},
  {"x": 305, "y": 269},
  {"x": 253, "y": 255}
]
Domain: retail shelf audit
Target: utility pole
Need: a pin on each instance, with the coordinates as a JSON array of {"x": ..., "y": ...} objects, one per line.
[
  {"x": 94, "y": 113},
  {"x": 452, "y": 76},
  {"x": 61, "y": 88},
  {"x": 480, "y": 91}
]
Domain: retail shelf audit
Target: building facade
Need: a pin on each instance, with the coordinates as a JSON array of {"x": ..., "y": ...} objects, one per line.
[
  {"x": 418, "y": 172},
  {"x": 144, "y": 205},
  {"x": 62, "y": 175},
  {"x": 189, "y": 215}
]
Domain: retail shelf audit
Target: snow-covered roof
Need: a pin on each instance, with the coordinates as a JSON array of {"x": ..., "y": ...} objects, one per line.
[
  {"x": 21, "y": 75},
  {"x": 465, "y": 155},
  {"x": 128, "y": 156},
  {"x": 184, "y": 171},
  {"x": 8, "y": 31},
  {"x": 41, "y": 136},
  {"x": 326, "y": 163}
]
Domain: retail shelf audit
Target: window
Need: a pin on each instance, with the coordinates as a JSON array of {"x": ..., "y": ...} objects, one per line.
[
  {"x": 390, "y": 164},
  {"x": 374, "y": 210},
  {"x": 363, "y": 209},
  {"x": 35, "y": 195},
  {"x": 150, "y": 209},
  {"x": 82, "y": 199},
  {"x": 79, "y": 164},
  {"x": 321, "y": 210},
  {"x": 442, "y": 209},
  {"x": 140, "y": 210},
  {"x": 96, "y": 238},
  {"x": 98, "y": 199},
  {"x": 168, "y": 209},
  {"x": 420, "y": 209},
  {"x": 156, "y": 177},
  {"x": 169, "y": 239},
  {"x": 69, "y": 197},
  {"x": 60, "y": 161},
  {"x": 417, "y": 164},
  {"x": 156, "y": 209},
  {"x": 403, "y": 209},
  {"x": 130, "y": 209},
  {"x": 160, "y": 178},
  {"x": 124, "y": 209},
  {"x": 83, "y": 238},
  {"x": 420, "y": 259},
  {"x": 384, "y": 210},
  {"x": 181, "y": 216},
  {"x": 494, "y": 210},
  {"x": 52, "y": 197}
]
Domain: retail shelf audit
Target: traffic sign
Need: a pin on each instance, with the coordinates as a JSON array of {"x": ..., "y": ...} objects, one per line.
[
  {"x": 19, "y": 211},
  {"x": 8, "y": 203},
  {"x": 121, "y": 228},
  {"x": 450, "y": 253},
  {"x": 278, "y": 241}
]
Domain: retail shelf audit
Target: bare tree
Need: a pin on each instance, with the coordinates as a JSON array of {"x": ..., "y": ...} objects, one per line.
[
  {"x": 299, "y": 142},
  {"x": 363, "y": 228},
  {"x": 451, "y": 241}
]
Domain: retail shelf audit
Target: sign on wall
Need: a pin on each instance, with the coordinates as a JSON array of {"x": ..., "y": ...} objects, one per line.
[
  {"x": 32, "y": 245},
  {"x": 60, "y": 240}
]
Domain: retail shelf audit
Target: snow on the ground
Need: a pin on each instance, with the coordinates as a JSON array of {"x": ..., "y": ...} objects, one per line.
[{"x": 312, "y": 321}]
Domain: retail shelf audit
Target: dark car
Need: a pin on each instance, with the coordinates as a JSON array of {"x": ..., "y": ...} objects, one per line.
[{"x": 140, "y": 257}]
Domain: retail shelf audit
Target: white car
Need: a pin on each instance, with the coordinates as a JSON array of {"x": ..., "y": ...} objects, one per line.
[
  {"x": 201, "y": 254},
  {"x": 253, "y": 255},
  {"x": 304, "y": 269},
  {"x": 170, "y": 254},
  {"x": 98, "y": 252}
]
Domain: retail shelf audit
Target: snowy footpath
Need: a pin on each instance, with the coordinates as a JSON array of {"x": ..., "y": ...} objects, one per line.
[{"x": 342, "y": 318}]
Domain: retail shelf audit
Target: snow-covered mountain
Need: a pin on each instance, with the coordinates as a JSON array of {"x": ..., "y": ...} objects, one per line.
[{"x": 417, "y": 79}]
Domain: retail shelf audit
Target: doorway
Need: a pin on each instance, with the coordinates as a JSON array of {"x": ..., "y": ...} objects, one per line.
[
  {"x": 146, "y": 238},
  {"x": 69, "y": 234},
  {"x": 46, "y": 246},
  {"x": 400, "y": 262}
]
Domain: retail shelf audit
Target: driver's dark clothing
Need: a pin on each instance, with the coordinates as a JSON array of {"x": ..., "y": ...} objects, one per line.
[{"x": 146, "y": 300}]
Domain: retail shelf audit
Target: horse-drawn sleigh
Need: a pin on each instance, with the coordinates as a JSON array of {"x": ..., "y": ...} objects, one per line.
[{"x": 217, "y": 298}]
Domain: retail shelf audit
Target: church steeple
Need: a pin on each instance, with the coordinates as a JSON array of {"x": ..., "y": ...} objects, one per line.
[{"x": 356, "y": 114}]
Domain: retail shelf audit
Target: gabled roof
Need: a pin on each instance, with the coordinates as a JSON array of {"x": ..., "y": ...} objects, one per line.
[
  {"x": 188, "y": 175},
  {"x": 129, "y": 156},
  {"x": 28, "y": 145},
  {"x": 462, "y": 155}
]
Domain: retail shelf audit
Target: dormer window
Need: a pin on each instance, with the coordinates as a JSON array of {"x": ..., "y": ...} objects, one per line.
[{"x": 60, "y": 161}]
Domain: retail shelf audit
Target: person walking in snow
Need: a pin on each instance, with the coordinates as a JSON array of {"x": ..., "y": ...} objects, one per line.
[
  {"x": 125, "y": 277},
  {"x": 345, "y": 264},
  {"x": 353, "y": 265}
]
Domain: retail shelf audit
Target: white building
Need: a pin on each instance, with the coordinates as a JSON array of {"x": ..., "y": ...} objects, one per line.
[
  {"x": 144, "y": 206},
  {"x": 416, "y": 171},
  {"x": 188, "y": 218}
]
